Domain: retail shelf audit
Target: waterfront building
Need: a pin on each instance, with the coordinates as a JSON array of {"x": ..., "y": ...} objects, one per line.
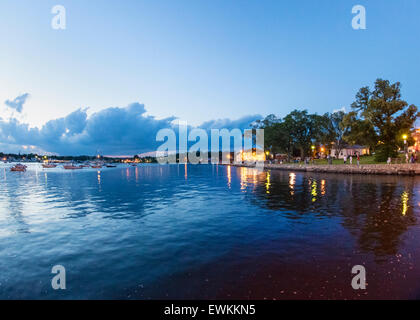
[
  {"x": 350, "y": 151},
  {"x": 416, "y": 146}
]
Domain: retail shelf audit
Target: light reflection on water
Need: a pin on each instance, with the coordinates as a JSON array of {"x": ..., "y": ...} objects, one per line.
[{"x": 207, "y": 231}]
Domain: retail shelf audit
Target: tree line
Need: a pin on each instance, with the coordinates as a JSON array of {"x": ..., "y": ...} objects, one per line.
[{"x": 378, "y": 119}]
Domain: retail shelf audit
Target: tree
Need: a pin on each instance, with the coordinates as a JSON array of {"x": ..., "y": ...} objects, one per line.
[
  {"x": 379, "y": 117},
  {"x": 324, "y": 129},
  {"x": 304, "y": 129},
  {"x": 276, "y": 135},
  {"x": 337, "y": 130},
  {"x": 297, "y": 131},
  {"x": 359, "y": 131}
]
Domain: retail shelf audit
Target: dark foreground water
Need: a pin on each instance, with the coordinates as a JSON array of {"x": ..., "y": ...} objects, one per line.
[{"x": 207, "y": 232}]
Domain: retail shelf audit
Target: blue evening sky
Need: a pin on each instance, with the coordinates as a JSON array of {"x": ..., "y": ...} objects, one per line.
[
  {"x": 200, "y": 60},
  {"x": 203, "y": 60}
]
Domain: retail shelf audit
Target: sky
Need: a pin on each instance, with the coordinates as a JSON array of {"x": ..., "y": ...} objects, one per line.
[{"x": 219, "y": 61}]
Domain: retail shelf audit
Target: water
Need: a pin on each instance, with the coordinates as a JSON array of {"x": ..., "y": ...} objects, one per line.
[{"x": 205, "y": 232}]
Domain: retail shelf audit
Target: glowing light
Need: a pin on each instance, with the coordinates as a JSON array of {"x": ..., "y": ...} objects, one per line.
[
  {"x": 404, "y": 137},
  {"x": 229, "y": 176},
  {"x": 404, "y": 201},
  {"x": 292, "y": 182},
  {"x": 322, "y": 187},
  {"x": 313, "y": 191},
  {"x": 244, "y": 174},
  {"x": 268, "y": 184}
]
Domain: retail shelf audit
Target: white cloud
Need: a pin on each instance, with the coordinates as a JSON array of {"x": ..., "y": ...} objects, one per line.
[
  {"x": 111, "y": 131},
  {"x": 18, "y": 102}
]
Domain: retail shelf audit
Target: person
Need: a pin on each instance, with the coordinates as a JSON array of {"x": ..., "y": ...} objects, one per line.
[
  {"x": 358, "y": 159},
  {"x": 345, "y": 159},
  {"x": 412, "y": 158},
  {"x": 351, "y": 159},
  {"x": 406, "y": 157},
  {"x": 389, "y": 160}
]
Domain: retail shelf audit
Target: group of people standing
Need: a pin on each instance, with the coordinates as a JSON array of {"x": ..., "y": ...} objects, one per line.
[
  {"x": 345, "y": 158},
  {"x": 408, "y": 158},
  {"x": 350, "y": 158},
  {"x": 412, "y": 158}
]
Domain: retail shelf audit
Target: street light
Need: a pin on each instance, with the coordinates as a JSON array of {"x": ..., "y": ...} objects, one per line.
[{"x": 405, "y": 142}]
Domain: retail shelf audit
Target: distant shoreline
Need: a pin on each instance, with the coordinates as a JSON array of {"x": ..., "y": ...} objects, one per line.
[{"x": 379, "y": 169}]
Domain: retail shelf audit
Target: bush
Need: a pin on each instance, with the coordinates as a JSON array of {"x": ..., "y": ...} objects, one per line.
[{"x": 384, "y": 151}]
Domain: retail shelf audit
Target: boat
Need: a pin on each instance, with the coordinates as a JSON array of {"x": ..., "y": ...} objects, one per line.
[
  {"x": 110, "y": 166},
  {"x": 96, "y": 165},
  {"x": 48, "y": 165},
  {"x": 71, "y": 167},
  {"x": 19, "y": 168}
]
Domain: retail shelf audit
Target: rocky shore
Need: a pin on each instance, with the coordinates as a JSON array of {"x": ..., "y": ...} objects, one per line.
[{"x": 384, "y": 169}]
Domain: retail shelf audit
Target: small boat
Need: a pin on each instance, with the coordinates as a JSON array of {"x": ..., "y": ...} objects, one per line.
[
  {"x": 96, "y": 166},
  {"x": 47, "y": 165},
  {"x": 19, "y": 168},
  {"x": 110, "y": 166},
  {"x": 71, "y": 167},
  {"x": 134, "y": 165}
]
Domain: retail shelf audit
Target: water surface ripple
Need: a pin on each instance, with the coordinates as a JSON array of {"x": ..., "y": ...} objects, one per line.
[{"x": 206, "y": 232}]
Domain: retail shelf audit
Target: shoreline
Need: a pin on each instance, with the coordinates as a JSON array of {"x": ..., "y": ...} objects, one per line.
[{"x": 412, "y": 169}]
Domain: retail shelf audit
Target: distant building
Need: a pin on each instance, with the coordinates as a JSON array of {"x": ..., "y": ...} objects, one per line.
[
  {"x": 416, "y": 146},
  {"x": 350, "y": 151},
  {"x": 251, "y": 155}
]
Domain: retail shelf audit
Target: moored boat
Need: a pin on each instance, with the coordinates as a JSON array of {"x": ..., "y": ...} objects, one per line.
[
  {"x": 48, "y": 165},
  {"x": 19, "y": 168},
  {"x": 71, "y": 167}
]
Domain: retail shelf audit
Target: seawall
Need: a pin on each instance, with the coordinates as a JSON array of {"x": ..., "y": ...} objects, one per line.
[{"x": 384, "y": 169}]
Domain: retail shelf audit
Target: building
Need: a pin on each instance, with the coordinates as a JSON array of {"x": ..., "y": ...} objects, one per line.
[
  {"x": 350, "y": 151},
  {"x": 251, "y": 155},
  {"x": 416, "y": 146}
]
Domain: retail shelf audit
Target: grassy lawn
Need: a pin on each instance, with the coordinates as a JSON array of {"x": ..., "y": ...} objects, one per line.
[{"x": 363, "y": 160}]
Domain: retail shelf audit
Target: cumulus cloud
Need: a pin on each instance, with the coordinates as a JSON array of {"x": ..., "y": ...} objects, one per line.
[
  {"x": 113, "y": 131},
  {"x": 241, "y": 123},
  {"x": 18, "y": 102}
]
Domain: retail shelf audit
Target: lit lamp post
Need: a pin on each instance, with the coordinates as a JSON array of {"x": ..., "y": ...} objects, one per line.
[
  {"x": 405, "y": 142},
  {"x": 313, "y": 154}
]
